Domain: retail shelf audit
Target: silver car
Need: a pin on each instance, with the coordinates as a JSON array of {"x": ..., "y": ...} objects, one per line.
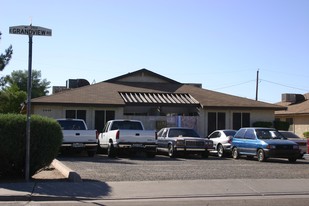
[
  {"x": 222, "y": 141},
  {"x": 177, "y": 140}
]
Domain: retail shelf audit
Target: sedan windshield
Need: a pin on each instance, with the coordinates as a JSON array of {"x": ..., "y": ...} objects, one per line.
[
  {"x": 268, "y": 134},
  {"x": 183, "y": 133}
]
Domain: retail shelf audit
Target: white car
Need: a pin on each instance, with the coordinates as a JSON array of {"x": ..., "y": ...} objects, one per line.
[{"x": 222, "y": 141}]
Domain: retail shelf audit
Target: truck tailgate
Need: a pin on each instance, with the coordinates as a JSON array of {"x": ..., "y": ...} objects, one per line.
[
  {"x": 82, "y": 136},
  {"x": 137, "y": 136}
]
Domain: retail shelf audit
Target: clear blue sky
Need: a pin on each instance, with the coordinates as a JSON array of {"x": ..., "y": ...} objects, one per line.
[{"x": 219, "y": 43}]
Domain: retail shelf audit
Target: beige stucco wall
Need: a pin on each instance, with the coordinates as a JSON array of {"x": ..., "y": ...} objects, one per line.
[
  {"x": 255, "y": 115},
  {"x": 200, "y": 122},
  {"x": 301, "y": 125},
  {"x": 58, "y": 112}
]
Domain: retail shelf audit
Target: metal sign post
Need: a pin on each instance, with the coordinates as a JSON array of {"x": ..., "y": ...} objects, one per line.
[{"x": 30, "y": 31}]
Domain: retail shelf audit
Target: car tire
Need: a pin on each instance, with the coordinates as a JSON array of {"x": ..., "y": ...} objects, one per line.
[
  {"x": 220, "y": 150},
  {"x": 111, "y": 151},
  {"x": 171, "y": 151},
  {"x": 292, "y": 159},
  {"x": 150, "y": 154},
  {"x": 235, "y": 153},
  {"x": 261, "y": 155},
  {"x": 205, "y": 154}
]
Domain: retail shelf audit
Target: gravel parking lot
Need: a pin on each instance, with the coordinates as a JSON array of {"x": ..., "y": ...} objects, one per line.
[{"x": 140, "y": 168}]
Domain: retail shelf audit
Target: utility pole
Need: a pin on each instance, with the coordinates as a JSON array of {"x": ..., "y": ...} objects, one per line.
[{"x": 257, "y": 85}]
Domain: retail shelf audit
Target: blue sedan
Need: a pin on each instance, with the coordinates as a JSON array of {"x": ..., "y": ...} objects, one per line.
[{"x": 263, "y": 143}]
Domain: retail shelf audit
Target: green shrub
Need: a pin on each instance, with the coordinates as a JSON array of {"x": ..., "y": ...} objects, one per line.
[
  {"x": 306, "y": 134},
  {"x": 262, "y": 124},
  {"x": 45, "y": 141},
  {"x": 281, "y": 125}
]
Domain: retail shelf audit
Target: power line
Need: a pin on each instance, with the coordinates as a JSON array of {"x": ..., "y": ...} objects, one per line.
[
  {"x": 284, "y": 85},
  {"x": 234, "y": 85}
]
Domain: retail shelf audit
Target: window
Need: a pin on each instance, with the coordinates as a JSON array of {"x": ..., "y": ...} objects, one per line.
[
  {"x": 221, "y": 120},
  {"x": 245, "y": 120},
  {"x": 72, "y": 125},
  {"x": 127, "y": 125},
  {"x": 70, "y": 114},
  {"x": 250, "y": 134},
  {"x": 216, "y": 120},
  {"x": 75, "y": 114},
  {"x": 101, "y": 117},
  {"x": 263, "y": 134},
  {"x": 289, "y": 120},
  {"x": 240, "y": 133},
  {"x": 162, "y": 133},
  {"x": 241, "y": 120},
  {"x": 215, "y": 135}
]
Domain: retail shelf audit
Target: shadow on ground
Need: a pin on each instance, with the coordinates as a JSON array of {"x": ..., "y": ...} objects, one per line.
[{"x": 39, "y": 191}]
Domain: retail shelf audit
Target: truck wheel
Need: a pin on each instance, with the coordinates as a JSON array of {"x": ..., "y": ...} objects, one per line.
[
  {"x": 100, "y": 150},
  {"x": 91, "y": 153},
  {"x": 171, "y": 151},
  {"x": 111, "y": 151},
  {"x": 292, "y": 159},
  {"x": 150, "y": 154}
]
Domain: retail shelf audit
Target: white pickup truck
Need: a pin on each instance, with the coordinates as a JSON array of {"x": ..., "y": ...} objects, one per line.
[
  {"x": 120, "y": 136},
  {"x": 77, "y": 137}
]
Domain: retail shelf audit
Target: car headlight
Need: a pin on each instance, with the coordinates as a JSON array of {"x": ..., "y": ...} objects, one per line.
[
  {"x": 180, "y": 142},
  {"x": 208, "y": 142},
  {"x": 271, "y": 146}
]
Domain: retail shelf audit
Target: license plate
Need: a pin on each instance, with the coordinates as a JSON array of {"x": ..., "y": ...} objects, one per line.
[
  {"x": 76, "y": 145},
  {"x": 137, "y": 145}
]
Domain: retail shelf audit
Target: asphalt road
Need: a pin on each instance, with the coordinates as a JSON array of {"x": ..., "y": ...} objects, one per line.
[
  {"x": 140, "y": 168},
  {"x": 102, "y": 176}
]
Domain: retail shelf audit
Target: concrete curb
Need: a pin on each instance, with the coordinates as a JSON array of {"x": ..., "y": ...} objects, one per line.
[{"x": 70, "y": 174}]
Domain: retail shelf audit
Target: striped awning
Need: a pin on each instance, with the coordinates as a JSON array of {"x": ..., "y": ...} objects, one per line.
[{"x": 158, "y": 98}]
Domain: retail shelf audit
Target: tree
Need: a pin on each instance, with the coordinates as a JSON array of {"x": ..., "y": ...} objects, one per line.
[
  {"x": 20, "y": 78},
  {"x": 14, "y": 90},
  {"x": 11, "y": 99},
  {"x": 5, "y": 58}
]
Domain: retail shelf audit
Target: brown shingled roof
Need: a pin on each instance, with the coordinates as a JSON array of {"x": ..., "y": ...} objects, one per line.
[
  {"x": 298, "y": 108},
  {"x": 144, "y": 81},
  {"x": 106, "y": 93}
]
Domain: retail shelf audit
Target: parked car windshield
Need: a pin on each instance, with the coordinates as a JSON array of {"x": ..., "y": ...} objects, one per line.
[
  {"x": 182, "y": 133},
  {"x": 289, "y": 135},
  {"x": 268, "y": 134}
]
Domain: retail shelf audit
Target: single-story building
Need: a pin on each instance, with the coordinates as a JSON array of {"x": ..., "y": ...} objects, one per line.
[
  {"x": 156, "y": 100},
  {"x": 297, "y": 112}
]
